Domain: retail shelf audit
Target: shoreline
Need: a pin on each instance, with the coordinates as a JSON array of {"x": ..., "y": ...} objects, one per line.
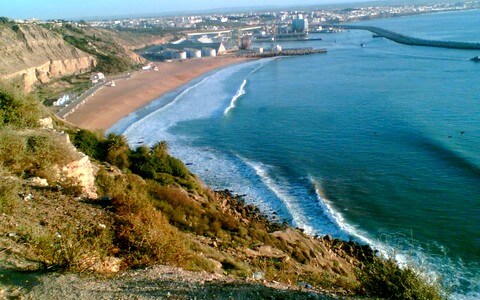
[{"x": 111, "y": 104}]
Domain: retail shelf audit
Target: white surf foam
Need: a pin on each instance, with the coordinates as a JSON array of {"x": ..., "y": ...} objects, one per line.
[
  {"x": 335, "y": 216},
  {"x": 300, "y": 220},
  {"x": 240, "y": 93},
  {"x": 198, "y": 101}
]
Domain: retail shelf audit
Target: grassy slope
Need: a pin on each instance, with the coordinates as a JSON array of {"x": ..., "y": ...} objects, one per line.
[{"x": 151, "y": 211}]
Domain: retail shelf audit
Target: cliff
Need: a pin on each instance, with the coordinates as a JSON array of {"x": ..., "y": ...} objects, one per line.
[
  {"x": 36, "y": 55},
  {"x": 112, "y": 48}
]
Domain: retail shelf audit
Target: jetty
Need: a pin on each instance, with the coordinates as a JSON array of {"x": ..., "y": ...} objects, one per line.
[
  {"x": 288, "y": 52},
  {"x": 407, "y": 40}
]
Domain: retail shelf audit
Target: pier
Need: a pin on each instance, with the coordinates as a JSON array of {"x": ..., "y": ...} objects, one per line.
[
  {"x": 288, "y": 52},
  {"x": 407, "y": 40}
]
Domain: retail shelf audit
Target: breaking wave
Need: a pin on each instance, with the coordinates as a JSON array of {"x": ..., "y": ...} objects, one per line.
[{"x": 240, "y": 93}]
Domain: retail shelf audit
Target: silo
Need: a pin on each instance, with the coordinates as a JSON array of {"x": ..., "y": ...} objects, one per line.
[
  {"x": 180, "y": 55},
  {"x": 209, "y": 52},
  {"x": 194, "y": 53}
]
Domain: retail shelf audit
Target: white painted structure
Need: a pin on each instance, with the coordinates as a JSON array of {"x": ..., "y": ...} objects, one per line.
[
  {"x": 193, "y": 53},
  {"x": 209, "y": 52}
]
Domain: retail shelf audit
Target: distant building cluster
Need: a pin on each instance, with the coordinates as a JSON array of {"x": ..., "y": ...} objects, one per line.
[
  {"x": 300, "y": 24},
  {"x": 299, "y": 20}
]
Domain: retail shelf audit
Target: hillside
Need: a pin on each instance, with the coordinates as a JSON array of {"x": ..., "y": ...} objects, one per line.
[
  {"x": 36, "y": 54},
  {"x": 88, "y": 204}
]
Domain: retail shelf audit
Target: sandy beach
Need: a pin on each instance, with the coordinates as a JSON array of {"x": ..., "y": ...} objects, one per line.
[{"x": 110, "y": 104}]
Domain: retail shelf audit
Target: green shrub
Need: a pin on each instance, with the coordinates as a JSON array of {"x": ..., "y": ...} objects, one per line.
[
  {"x": 111, "y": 64},
  {"x": 385, "y": 279},
  {"x": 12, "y": 151},
  {"x": 18, "y": 109},
  {"x": 154, "y": 163},
  {"x": 80, "y": 43},
  {"x": 117, "y": 150},
  {"x": 89, "y": 143}
]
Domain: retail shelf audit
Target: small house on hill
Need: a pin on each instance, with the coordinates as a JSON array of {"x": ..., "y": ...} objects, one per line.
[{"x": 97, "y": 77}]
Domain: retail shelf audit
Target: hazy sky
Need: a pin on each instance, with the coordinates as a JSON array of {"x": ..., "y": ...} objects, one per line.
[{"x": 68, "y": 9}]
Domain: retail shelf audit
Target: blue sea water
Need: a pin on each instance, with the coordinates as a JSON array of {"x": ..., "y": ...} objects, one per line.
[{"x": 379, "y": 143}]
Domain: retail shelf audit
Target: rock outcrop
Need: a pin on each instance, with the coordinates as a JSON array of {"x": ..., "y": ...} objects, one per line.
[
  {"x": 81, "y": 172},
  {"x": 36, "y": 55}
]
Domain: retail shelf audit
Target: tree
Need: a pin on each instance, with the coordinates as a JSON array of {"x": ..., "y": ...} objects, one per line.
[
  {"x": 117, "y": 150},
  {"x": 160, "y": 149}
]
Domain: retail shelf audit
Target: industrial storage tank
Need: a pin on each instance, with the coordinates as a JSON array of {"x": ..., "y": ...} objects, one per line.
[
  {"x": 194, "y": 53},
  {"x": 209, "y": 52},
  {"x": 180, "y": 55}
]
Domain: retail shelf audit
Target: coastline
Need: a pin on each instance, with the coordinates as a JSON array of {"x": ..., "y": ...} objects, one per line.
[{"x": 110, "y": 104}]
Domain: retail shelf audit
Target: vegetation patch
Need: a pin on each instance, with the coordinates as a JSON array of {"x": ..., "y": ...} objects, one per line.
[
  {"x": 385, "y": 279},
  {"x": 18, "y": 109}
]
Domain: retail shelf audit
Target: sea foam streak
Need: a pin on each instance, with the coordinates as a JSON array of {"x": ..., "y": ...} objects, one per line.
[
  {"x": 335, "y": 216},
  {"x": 240, "y": 93},
  {"x": 199, "y": 101},
  {"x": 299, "y": 218}
]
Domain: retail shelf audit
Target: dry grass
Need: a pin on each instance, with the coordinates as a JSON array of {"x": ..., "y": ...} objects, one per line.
[
  {"x": 9, "y": 190},
  {"x": 72, "y": 247},
  {"x": 34, "y": 153},
  {"x": 18, "y": 109},
  {"x": 142, "y": 232}
]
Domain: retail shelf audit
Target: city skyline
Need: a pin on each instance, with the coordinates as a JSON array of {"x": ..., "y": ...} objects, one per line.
[{"x": 61, "y": 9}]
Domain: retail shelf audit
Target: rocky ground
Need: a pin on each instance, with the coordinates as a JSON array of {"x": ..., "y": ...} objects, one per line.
[{"x": 159, "y": 282}]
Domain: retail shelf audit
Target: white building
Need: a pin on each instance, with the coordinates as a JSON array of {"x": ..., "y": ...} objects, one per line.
[{"x": 97, "y": 77}]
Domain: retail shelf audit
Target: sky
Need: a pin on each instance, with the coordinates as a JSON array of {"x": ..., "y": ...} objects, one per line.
[{"x": 76, "y": 9}]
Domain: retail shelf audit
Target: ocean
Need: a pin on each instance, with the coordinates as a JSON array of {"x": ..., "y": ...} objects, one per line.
[{"x": 379, "y": 144}]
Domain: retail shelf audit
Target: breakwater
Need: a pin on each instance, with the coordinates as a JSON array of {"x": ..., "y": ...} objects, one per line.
[
  {"x": 288, "y": 52},
  {"x": 407, "y": 40}
]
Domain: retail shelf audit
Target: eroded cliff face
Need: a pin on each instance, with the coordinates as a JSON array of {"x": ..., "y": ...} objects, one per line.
[{"x": 36, "y": 55}]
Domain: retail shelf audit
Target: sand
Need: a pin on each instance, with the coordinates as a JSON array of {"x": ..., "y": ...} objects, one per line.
[{"x": 110, "y": 104}]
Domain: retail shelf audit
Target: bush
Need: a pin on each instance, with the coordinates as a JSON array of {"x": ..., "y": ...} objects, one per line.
[
  {"x": 33, "y": 153},
  {"x": 72, "y": 247},
  {"x": 385, "y": 279},
  {"x": 89, "y": 143},
  {"x": 12, "y": 151},
  {"x": 143, "y": 234},
  {"x": 153, "y": 163},
  {"x": 117, "y": 150},
  {"x": 148, "y": 238},
  {"x": 111, "y": 64},
  {"x": 18, "y": 109}
]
